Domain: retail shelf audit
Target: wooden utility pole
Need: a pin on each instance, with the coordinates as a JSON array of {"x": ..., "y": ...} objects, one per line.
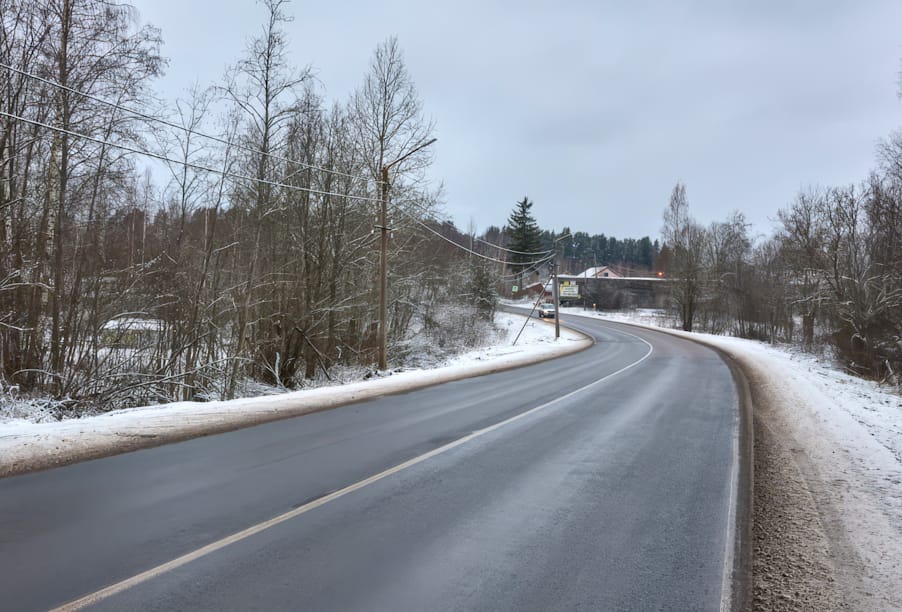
[
  {"x": 383, "y": 258},
  {"x": 383, "y": 272},
  {"x": 557, "y": 301},
  {"x": 555, "y": 291}
]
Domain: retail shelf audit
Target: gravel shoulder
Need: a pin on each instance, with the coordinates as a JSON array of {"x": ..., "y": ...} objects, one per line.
[
  {"x": 798, "y": 562},
  {"x": 819, "y": 527},
  {"x": 827, "y": 486}
]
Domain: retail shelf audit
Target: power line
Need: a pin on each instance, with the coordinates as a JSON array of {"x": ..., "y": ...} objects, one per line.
[
  {"x": 187, "y": 164},
  {"x": 460, "y": 246},
  {"x": 533, "y": 268},
  {"x": 531, "y": 265},
  {"x": 448, "y": 240},
  {"x": 252, "y": 179},
  {"x": 500, "y": 248},
  {"x": 224, "y": 173},
  {"x": 506, "y": 250},
  {"x": 165, "y": 122}
]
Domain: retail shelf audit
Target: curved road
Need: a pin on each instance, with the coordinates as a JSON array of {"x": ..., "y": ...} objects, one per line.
[{"x": 604, "y": 480}]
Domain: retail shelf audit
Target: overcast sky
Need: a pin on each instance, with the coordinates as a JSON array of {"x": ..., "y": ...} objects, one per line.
[{"x": 595, "y": 109}]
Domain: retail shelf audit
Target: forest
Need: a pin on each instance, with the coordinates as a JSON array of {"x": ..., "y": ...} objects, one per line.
[
  {"x": 250, "y": 254},
  {"x": 223, "y": 242}
]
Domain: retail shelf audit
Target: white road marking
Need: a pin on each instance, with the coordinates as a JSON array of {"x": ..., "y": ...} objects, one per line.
[
  {"x": 726, "y": 583},
  {"x": 128, "y": 583},
  {"x": 726, "y": 586}
]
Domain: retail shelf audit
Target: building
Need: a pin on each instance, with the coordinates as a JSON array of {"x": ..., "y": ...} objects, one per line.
[
  {"x": 603, "y": 288},
  {"x": 600, "y": 272}
]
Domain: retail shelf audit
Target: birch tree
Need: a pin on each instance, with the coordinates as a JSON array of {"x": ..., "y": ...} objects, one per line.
[
  {"x": 264, "y": 87},
  {"x": 389, "y": 132}
]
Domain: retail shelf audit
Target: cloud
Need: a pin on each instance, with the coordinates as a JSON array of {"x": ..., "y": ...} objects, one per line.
[{"x": 596, "y": 108}]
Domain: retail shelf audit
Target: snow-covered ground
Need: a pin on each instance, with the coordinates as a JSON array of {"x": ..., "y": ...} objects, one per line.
[
  {"x": 845, "y": 434},
  {"x": 28, "y": 441},
  {"x": 859, "y": 414}
]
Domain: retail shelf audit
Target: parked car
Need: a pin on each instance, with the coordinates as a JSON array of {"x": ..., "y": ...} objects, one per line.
[{"x": 546, "y": 310}]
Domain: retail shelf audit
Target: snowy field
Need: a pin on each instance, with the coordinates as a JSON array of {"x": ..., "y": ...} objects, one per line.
[{"x": 29, "y": 440}]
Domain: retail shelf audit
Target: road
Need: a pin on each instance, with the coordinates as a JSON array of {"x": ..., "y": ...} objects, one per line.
[{"x": 604, "y": 480}]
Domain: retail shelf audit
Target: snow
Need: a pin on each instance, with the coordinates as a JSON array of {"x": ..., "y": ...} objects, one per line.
[
  {"x": 860, "y": 414},
  {"x": 847, "y": 431},
  {"x": 27, "y": 441},
  {"x": 132, "y": 323}
]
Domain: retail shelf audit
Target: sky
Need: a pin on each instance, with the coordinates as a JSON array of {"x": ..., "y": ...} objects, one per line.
[{"x": 595, "y": 109}]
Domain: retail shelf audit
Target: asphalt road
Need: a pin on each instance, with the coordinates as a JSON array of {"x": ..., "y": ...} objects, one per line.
[{"x": 604, "y": 480}]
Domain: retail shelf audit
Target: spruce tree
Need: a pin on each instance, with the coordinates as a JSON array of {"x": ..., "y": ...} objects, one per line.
[
  {"x": 482, "y": 288},
  {"x": 524, "y": 236}
]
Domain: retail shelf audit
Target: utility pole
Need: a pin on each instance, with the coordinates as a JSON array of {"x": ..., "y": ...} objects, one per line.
[
  {"x": 383, "y": 271},
  {"x": 383, "y": 255},
  {"x": 555, "y": 291},
  {"x": 557, "y": 301}
]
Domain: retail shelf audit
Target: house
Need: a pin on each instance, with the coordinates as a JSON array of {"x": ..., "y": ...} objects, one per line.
[
  {"x": 599, "y": 272},
  {"x": 130, "y": 333},
  {"x": 609, "y": 289},
  {"x": 535, "y": 289}
]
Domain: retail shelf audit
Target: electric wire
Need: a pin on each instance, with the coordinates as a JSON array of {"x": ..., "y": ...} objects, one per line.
[
  {"x": 529, "y": 270},
  {"x": 460, "y": 246},
  {"x": 229, "y": 174},
  {"x": 148, "y": 117},
  {"x": 188, "y": 164},
  {"x": 224, "y": 173},
  {"x": 500, "y": 248},
  {"x": 506, "y": 250},
  {"x": 188, "y": 130}
]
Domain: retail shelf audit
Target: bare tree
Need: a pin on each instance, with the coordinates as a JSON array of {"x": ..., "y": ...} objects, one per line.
[
  {"x": 390, "y": 131},
  {"x": 61, "y": 50},
  {"x": 263, "y": 85},
  {"x": 686, "y": 239},
  {"x": 726, "y": 251}
]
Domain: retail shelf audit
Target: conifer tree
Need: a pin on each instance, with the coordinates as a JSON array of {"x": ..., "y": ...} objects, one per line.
[{"x": 524, "y": 236}]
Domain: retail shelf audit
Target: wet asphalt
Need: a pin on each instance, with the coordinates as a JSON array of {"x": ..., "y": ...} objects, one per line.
[{"x": 613, "y": 497}]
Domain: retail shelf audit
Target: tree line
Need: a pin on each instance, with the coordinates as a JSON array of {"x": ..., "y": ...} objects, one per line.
[
  {"x": 255, "y": 259},
  {"x": 830, "y": 274},
  {"x": 577, "y": 251},
  {"x": 633, "y": 256}
]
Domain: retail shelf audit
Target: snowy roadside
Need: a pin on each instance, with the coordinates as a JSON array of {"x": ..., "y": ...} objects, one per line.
[
  {"x": 26, "y": 445},
  {"x": 828, "y": 441}
]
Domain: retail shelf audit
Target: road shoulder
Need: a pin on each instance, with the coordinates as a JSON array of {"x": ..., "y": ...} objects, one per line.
[
  {"x": 32, "y": 447},
  {"x": 822, "y": 537}
]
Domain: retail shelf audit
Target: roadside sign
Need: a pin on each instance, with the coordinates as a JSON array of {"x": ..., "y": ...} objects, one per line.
[
  {"x": 568, "y": 290},
  {"x": 515, "y": 288}
]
